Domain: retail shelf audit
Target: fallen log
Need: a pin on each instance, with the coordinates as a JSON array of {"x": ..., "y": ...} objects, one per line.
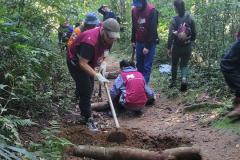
[
  {"x": 205, "y": 106},
  {"x": 182, "y": 153},
  {"x": 120, "y": 153},
  {"x": 100, "y": 106},
  {"x": 112, "y": 75}
]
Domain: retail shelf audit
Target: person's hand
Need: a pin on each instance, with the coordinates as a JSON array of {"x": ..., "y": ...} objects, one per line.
[
  {"x": 103, "y": 68},
  {"x": 145, "y": 51},
  {"x": 101, "y": 79}
]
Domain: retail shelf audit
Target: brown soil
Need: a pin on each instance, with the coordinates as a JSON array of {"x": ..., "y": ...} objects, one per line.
[{"x": 162, "y": 126}]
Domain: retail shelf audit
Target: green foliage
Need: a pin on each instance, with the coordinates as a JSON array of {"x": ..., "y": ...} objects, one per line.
[
  {"x": 10, "y": 144},
  {"x": 9, "y": 125},
  {"x": 52, "y": 146},
  {"x": 227, "y": 124},
  {"x": 14, "y": 153}
]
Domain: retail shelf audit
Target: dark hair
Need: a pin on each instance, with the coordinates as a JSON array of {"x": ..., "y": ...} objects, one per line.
[
  {"x": 77, "y": 24},
  {"x": 87, "y": 27},
  {"x": 180, "y": 7},
  {"x": 125, "y": 63}
]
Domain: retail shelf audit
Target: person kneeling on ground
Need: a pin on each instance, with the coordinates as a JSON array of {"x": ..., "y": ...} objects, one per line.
[
  {"x": 130, "y": 90},
  {"x": 230, "y": 67}
]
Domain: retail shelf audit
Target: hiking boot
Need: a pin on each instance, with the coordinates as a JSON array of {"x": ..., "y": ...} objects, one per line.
[
  {"x": 183, "y": 85},
  {"x": 83, "y": 120},
  {"x": 235, "y": 113},
  {"x": 91, "y": 125}
]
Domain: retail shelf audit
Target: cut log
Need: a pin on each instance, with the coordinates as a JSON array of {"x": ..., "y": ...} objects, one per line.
[
  {"x": 182, "y": 153},
  {"x": 119, "y": 153},
  {"x": 100, "y": 106}
]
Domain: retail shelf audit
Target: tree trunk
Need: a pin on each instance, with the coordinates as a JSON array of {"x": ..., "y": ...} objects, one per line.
[{"x": 119, "y": 153}]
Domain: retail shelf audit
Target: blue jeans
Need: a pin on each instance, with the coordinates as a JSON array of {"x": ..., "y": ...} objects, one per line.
[{"x": 144, "y": 62}]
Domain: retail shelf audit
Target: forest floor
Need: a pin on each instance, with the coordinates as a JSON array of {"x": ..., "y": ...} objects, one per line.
[{"x": 163, "y": 125}]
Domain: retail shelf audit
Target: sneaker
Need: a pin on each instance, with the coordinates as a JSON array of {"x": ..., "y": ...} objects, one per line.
[
  {"x": 183, "y": 85},
  {"x": 83, "y": 120},
  {"x": 91, "y": 125}
]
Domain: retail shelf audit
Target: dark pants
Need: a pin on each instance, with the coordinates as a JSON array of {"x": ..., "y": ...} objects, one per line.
[
  {"x": 182, "y": 54},
  {"x": 144, "y": 62},
  {"x": 233, "y": 81},
  {"x": 84, "y": 88}
]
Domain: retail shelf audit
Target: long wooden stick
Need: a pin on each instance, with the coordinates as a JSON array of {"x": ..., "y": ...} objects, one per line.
[
  {"x": 112, "y": 107},
  {"x": 133, "y": 54}
]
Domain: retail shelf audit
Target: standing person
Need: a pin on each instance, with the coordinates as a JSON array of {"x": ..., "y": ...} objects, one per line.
[
  {"x": 91, "y": 21},
  {"x": 182, "y": 33},
  {"x": 86, "y": 53},
  {"x": 64, "y": 32},
  {"x": 106, "y": 12},
  {"x": 230, "y": 67},
  {"x": 144, "y": 35},
  {"x": 129, "y": 90}
]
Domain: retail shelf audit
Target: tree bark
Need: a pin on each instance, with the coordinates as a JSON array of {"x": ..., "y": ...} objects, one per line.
[
  {"x": 100, "y": 106},
  {"x": 119, "y": 153}
]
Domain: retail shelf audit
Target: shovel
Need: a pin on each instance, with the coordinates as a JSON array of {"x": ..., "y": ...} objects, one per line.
[{"x": 116, "y": 136}]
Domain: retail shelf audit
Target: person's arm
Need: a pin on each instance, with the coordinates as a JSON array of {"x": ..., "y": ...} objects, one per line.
[
  {"x": 153, "y": 29},
  {"x": 83, "y": 63},
  {"x": 115, "y": 90},
  {"x": 170, "y": 35},
  {"x": 85, "y": 55}
]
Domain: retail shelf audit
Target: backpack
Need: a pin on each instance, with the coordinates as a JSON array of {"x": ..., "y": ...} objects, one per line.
[
  {"x": 183, "y": 32},
  {"x": 135, "y": 90}
]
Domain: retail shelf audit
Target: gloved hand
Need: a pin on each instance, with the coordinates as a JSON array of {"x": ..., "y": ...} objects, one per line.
[
  {"x": 101, "y": 79},
  {"x": 103, "y": 69}
]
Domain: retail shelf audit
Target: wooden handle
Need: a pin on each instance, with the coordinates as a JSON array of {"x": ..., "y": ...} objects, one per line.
[
  {"x": 133, "y": 54},
  {"x": 112, "y": 107}
]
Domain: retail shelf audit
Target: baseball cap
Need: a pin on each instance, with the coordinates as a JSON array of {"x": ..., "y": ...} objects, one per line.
[
  {"x": 112, "y": 27},
  {"x": 137, "y": 3},
  {"x": 91, "y": 19}
]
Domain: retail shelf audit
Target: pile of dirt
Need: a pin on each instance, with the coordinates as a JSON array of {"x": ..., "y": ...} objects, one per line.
[{"x": 80, "y": 135}]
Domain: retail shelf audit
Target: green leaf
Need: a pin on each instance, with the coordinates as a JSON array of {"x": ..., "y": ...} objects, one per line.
[
  {"x": 2, "y": 154},
  {"x": 23, "y": 151},
  {"x": 2, "y": 86}
]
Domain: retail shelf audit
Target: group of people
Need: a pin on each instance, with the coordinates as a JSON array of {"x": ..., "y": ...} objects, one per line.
[{"x": 89, "y": 45}]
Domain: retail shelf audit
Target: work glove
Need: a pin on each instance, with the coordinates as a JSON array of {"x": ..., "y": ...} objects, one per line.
[
  {"x": 103, "y": 69},
  {"x": 101, "y": 79}
]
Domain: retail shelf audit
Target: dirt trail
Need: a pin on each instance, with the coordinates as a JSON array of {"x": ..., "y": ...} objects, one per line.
[{"x": 162, "y": 126}]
